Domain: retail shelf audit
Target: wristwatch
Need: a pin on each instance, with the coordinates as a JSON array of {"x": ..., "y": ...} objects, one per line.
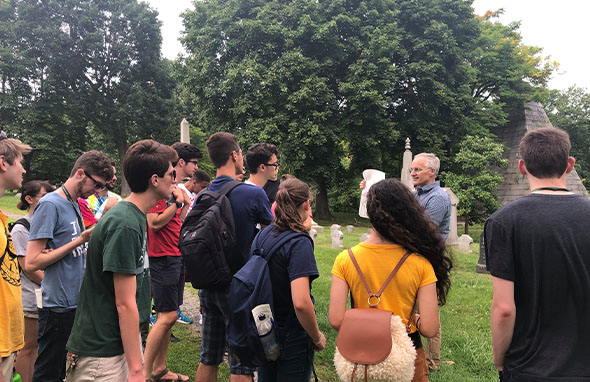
[{"x": 178, "y": 204}]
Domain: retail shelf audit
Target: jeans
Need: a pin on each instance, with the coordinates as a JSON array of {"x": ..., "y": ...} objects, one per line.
[
  {"x": 295, "y": 363},
  {"x": 54, "y": 331}
]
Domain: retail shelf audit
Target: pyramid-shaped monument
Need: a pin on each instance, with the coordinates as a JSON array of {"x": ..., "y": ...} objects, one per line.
[{"x": 531, "y": 117}]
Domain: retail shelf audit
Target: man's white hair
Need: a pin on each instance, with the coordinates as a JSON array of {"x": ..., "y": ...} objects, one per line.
[{"x": 432, "y": 161}]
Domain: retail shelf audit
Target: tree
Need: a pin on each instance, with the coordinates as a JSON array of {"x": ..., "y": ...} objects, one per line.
[
  {"x": 475, "y": 182},
  {"x": 99, "y": 65},
  {"x": 570, "y": 110},
  {"x": 332, "y": 83}
]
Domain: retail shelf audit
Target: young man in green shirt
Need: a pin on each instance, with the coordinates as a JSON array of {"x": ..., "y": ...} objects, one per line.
[{"x": 115, "y": 295}]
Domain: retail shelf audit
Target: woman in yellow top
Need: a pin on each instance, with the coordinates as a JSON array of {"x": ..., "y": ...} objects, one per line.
[{"x": 399, "y": 226}]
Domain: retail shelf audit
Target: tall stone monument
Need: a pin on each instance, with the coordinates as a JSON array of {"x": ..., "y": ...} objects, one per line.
[
  {"x": 184, "y": 132},
  {"x": 407, "y": 162}
]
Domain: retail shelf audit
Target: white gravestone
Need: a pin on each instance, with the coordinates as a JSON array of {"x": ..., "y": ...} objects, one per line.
[
  {"x": 313, "y": 233},
  {"x": 349, "y": 229},
  {"x": 365, "y": 236},
  {"x": 465, "y": 244},
  {"x": 337, "y": 236}
]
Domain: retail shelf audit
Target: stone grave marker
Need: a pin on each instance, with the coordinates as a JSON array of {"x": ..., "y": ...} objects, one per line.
[
  {"x": 337, "y": 236},
  {"x": 313, "y": 233},
  {"x": 481, "y": 266},
  {"x": 365, "y": 236},
  {"x": 349, "y": 229},
  {"x": 465, "y": 244}
]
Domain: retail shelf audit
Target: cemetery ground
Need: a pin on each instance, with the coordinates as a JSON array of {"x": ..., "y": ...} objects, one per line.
[{"x": 466, "y": 353}]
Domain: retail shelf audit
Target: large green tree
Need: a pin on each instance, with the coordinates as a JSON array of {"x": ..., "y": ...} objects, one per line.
[
  {"x": 335, "y": 83},
  {"x": 97, "y": 76},
  {"x": 570, "y": 110}
]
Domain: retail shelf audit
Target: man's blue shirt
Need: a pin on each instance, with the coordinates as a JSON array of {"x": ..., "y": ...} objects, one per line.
[
  {"x": 437, "y": 205},
  {"x": 249, "y": 206}
]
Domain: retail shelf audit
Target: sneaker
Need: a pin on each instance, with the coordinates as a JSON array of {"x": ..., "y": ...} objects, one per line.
[
  {"x": 173, "y": 338},
  {"x": 183, "y": 319},
  {"x": 152, "y": 320}
]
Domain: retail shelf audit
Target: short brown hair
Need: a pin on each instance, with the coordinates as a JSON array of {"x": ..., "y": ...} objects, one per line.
[
  {"x": 95, "y": 163},
  {"x": 144, "y": 159},
  {"x": 11, "y": 148},
  {"x": 545, "y": 152},
  {"x": 220, "y": 146}
]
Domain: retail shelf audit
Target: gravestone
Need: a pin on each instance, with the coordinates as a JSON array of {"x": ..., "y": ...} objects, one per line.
[
  {"x": 313, "y": 233},
  {"x": 365, "y": 236},
  {"x": 465, "y": 244},
  {"x": 406, "y": 164},
  {"x": 185, "y": 136},
  {"x": 349, "y": 229},
  {"x": 337, "y": 236},
  {"x": 452, "y": 239},
  {"x": 481, "y": 266}
]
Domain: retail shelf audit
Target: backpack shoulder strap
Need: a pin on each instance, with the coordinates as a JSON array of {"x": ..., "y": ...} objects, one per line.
[
  {"x": 24, "y": 222},
  {"x": 277, "y": 242},
  {"x": 364, "y": 281},
  {"x": 229, "y": 186}
]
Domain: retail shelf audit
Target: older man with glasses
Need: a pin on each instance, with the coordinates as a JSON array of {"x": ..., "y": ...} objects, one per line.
[{"x": 58, "y": 225}]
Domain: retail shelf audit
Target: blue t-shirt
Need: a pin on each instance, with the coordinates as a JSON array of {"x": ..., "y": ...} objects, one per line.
[
  {"x": 55, "y": 219},
  {"x": 250, "y": 206}
]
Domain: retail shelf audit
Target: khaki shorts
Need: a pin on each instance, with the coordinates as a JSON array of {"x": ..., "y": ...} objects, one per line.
[
  {"x": 8, "y": 367},
  {"x": 90, "y": 369},
  {"x": 32, "y": 314}
]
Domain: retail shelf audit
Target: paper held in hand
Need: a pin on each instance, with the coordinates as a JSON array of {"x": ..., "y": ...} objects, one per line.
[{"x": 371, "y": 177}]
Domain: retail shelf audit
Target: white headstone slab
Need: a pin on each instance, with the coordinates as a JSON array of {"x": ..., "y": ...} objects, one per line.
[
  {"x": 452, "y": 239},
  {"x": 349, "y": 229},
  {"x": 337, "y": 236},
  {"x": 465, "y": 244},
  {"x": 313, "y": 233},
  {"x": 371, "y": 177},
  {"x": 365, "y": 236}
]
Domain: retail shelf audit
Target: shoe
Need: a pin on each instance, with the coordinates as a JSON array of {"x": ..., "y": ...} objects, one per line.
[
  {"x": 173, "y": 338},
  {"x": 152, "y": 320},
  {"x": 183, "y": 319}
]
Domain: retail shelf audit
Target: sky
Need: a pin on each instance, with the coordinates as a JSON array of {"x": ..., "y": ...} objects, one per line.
[{"x": 559, "y": 27}]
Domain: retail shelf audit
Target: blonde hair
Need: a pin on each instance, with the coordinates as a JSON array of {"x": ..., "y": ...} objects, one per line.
[{"x": 11, "y": 149}]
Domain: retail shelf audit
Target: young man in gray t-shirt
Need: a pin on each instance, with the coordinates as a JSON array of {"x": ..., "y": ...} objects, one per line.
[{"x": 57, "y": 244}]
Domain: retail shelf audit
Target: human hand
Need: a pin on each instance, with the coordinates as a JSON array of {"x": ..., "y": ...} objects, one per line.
[
  {"x": 179, "y": 195},
  {"x": 85, "y": 236},
  {"x": 110, "y": 203},
  {"x": 321, "y": 344},
  {"x": 363, "y": 184}
]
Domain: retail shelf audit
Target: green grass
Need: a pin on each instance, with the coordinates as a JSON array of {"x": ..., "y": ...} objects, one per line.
[
  {"x": 8, "y": 203},
  {"x": 466, "y": 353}
]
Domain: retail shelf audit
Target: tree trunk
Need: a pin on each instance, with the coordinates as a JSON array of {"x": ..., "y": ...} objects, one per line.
[
  {"x": 122, "y": 150},
  {"x": 322, "y": 210},
  {"x": 466, "y": 224}
]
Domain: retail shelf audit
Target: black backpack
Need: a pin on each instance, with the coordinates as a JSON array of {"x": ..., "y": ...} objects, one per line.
[
  {"x": 251, "y": 286},
  {"x": 22, "y": 221},
  {"x": 208, "y": 240}
]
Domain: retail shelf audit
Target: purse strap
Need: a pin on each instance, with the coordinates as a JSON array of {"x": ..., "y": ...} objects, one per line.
[{"x": 366, "y": 285}]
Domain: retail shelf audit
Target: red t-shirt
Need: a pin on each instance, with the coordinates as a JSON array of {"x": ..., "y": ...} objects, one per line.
[{"x": 165, "y": 241}]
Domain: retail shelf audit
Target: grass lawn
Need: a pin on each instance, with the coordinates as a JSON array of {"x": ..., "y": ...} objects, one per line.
[
  {"x": 466, "y": 353},
  {"x": 8, "y": 203}
]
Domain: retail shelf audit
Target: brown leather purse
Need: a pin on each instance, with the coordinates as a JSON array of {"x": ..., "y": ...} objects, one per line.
[{"x": 375, "y": 339}]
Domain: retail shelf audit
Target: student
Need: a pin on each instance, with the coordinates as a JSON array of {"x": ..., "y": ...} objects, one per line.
[
  {"x": 262, "y": 160},
  {"x": 11, "y": 309},
  {"x": 249, "y": 207},
  {"x": 292, "y": 270},
  {"x": 400, "y": 225},
  {"x": 57, "y": 224},
  {"x": 31, "y": 193},
  {"x": 115, "y": 296}
]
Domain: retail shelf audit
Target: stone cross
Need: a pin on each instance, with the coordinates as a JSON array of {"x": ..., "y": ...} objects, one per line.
[
  {"x": 465, "y": 244},
  {"x": 337, "y": 236},
  {"x": 184, "y": 133}
]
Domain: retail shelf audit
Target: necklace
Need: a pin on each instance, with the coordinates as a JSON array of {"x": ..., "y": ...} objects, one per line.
[
  {"x": 550, "y": 189},
  {"x": 69, "y": 197}
]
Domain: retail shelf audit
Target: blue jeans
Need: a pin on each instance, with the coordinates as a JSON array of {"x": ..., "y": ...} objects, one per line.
[
  {"x": 54, "y": 331},
  {"x": 295, "y": 363}
]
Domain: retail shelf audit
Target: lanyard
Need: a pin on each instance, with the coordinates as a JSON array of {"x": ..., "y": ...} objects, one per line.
[{"x": 80, "y": 221}]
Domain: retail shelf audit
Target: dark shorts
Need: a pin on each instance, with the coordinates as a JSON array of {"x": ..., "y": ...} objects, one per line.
[
  {"x": 167, "y": 277},
  {"x": 214, "y": 303}
]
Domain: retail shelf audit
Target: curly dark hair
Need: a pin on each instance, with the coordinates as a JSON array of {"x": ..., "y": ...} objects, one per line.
[{"x": 398, "y": 217}]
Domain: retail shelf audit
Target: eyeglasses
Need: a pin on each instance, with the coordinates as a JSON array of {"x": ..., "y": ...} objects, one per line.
[
  {"x": 172, "y": 174},
  {"x": 97, "y": 185},
  {"x": 414, "y": 169},
  {"x": 276, "y": 164}
]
